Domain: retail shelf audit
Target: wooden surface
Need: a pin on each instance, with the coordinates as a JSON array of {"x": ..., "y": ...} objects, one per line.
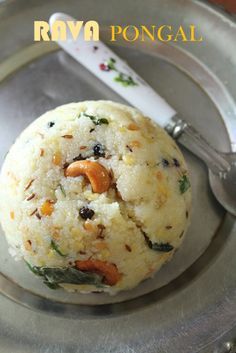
[{"x": 228, "y": 5}]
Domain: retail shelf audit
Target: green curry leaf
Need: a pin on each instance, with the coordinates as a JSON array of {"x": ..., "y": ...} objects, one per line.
[
  {"x": 53, "y": 276},
  {"x": 62, "y": 190},
  {"x": 34, "y": 269},
  {"x": 55, "y": 247},
  {"x": 95, "y": 120},
  {"x": 102, "y": 121},
  {"x": 184, "y": 184},
  {"x": 162, "y": 247}
]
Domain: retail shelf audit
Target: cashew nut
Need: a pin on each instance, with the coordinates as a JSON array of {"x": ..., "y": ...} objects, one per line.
[
  {"x": 97, "y": 175},
  {"x": 106, "y": 269}
]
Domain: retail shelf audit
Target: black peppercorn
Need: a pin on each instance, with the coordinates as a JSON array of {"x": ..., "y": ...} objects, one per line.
[
  {"x": 51, "y": 124},
  {"x": 176, "y": 162},
  {"x": 98, "y": 150},
  {"x": 165, "y": 162},
  {"x": 86, "y": 213}
]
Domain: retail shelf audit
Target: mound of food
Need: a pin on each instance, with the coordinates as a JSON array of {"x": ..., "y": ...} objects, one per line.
[{"x": 94, "y": 197}]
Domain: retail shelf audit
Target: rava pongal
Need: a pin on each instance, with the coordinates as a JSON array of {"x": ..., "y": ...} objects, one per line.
[{"x": 94, "y": 196}]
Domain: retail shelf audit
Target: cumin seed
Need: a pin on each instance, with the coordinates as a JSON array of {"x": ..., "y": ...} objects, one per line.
[
  {"x": 128, "y": 248},
  {"x": 169, "y": 227},
  {"x": 30, "y": 197},
  {"x": 31, "y": 214},
  {"x": 29, "y": 184},
  {"x": 38, "y": 215},
  {"x": 101, "y": 228},
  {"x": 129, "y": 148},
  {"x": 67, "y": 136}
]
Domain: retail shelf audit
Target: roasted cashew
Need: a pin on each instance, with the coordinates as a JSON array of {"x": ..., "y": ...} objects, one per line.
[
  {"x": 106, "y": 269},
  {"x": 97, "y": 175}
]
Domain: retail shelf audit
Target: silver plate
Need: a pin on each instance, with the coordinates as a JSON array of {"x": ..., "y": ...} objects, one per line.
[{"x": 190, "y": 305}]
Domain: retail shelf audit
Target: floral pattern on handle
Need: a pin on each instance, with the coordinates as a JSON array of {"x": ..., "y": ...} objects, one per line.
[
  {"x": 121, "y": 77},
  {"x": 116, "y": 74}
]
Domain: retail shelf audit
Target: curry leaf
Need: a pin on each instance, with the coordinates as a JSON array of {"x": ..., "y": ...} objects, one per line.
[
  {"x": 101, "y": 121},
  {"x": 162, "y": 247},
  {"x": 70, "y": 275},
  {"x": 53, "y": 276},
  {"x": 51, "y": 285},
  {"x": 184, "y": 184},
  {"x": 55, "y": 247},
  {"x": 62, "y": 190},
  {"x": 34, "y": 269},
  {"x": 95, "y": 120}
]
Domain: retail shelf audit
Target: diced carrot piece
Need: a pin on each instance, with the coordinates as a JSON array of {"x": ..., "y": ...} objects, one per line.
[{"x": 47, "y": 208}]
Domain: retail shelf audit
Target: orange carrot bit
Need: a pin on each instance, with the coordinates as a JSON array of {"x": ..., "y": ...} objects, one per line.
[
  {"x": 83, "y": 147},
  {"x": 106, "y": 269},
  {"x": 133, "y": 127},
  {"x": 56, "y": 159},
  {"x": 47, "y": 208},
  {"x": 12, "y": 215}
]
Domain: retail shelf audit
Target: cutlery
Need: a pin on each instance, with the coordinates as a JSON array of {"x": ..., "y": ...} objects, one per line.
[{"x": 121, "y": 78}]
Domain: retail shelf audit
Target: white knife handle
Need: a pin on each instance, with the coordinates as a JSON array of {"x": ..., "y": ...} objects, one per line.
[{"x": 115, "y": 73}]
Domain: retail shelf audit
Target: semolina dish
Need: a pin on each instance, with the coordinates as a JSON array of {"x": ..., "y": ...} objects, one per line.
[{"x": 94, "y": 197}]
